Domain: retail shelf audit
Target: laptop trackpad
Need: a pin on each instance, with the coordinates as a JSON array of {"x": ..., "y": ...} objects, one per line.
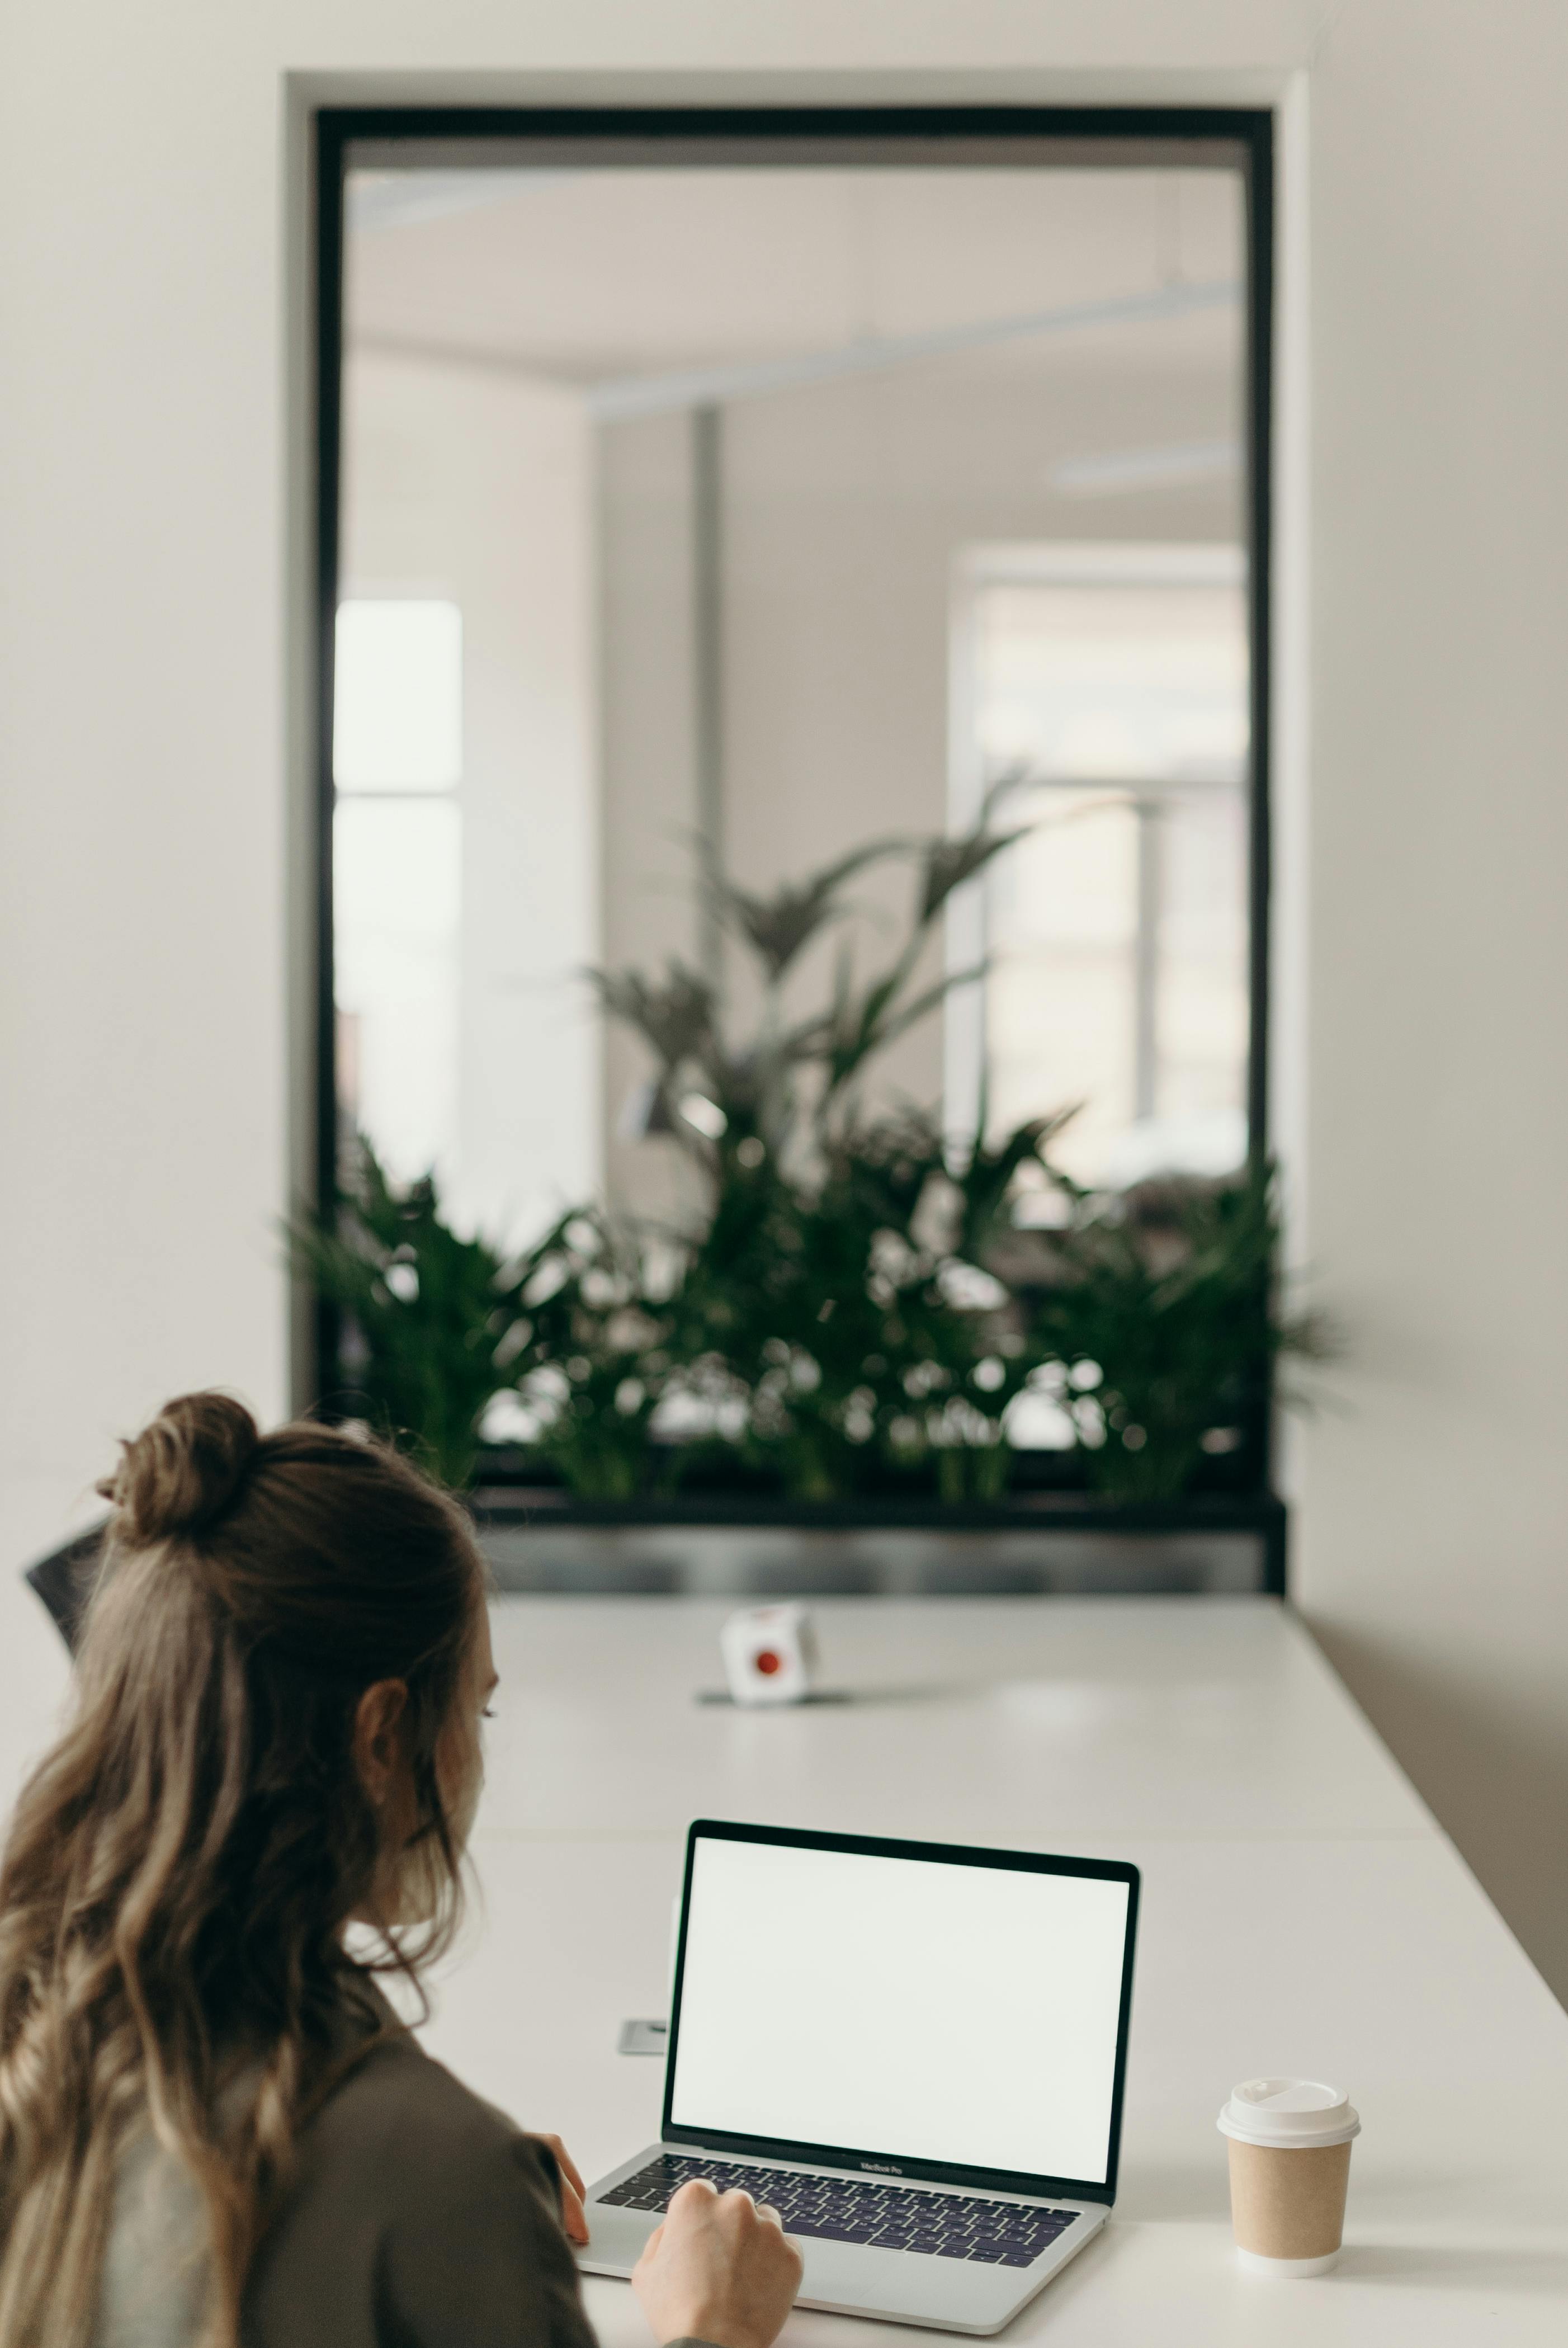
[
  {"x": 616, "y": 2237},
  {"x": 947, "y": 2291}
]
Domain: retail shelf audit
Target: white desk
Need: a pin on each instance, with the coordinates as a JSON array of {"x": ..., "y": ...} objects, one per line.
[{"x": 1300, "y": 1911}]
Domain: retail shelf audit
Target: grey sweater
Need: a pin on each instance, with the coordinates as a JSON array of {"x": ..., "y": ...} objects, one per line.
[{"x": 420, "y": 2218}]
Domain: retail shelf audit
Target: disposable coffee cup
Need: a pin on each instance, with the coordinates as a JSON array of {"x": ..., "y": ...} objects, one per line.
[{"x": 1290, "y": 2164}]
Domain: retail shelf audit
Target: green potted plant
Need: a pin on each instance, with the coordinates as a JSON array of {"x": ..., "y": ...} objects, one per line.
[
  {"x": 849, "y": 1311},
  {"x": 430, "y": 1321}
]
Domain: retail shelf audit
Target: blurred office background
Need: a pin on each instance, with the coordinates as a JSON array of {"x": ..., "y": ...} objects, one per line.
[{"x": 893, "y": 482}]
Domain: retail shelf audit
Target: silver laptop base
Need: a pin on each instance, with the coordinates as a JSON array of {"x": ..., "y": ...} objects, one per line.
[{"x": 889, "y": 2286}]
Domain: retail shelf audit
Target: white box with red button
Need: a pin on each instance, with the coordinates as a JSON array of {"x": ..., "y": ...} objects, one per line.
[{"x": 769, "y": 1654}]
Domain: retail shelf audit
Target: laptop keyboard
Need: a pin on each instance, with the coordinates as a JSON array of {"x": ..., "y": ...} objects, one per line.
[{"x": 841, "y": 2209}]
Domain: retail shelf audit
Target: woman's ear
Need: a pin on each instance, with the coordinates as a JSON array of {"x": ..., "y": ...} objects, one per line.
[{"x": 377, "y": 1751}]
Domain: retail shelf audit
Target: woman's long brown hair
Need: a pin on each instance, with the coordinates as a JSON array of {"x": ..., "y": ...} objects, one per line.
[{"x": 180, "y": 1869}]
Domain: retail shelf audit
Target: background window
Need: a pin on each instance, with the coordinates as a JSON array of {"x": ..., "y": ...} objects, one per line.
[
  {"x": 1105, "y": 692},
  {"x": 398, "y": 890}
]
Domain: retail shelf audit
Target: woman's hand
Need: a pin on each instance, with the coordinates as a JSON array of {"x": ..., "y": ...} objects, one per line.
[
  {"x": 718, "y": 2268},
  {"x": 572, "y": 2190}
]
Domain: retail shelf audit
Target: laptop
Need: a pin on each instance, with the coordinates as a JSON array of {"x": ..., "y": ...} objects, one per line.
[{"x": 913, "y": 2052}]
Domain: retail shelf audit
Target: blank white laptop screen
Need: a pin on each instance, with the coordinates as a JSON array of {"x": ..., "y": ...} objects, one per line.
[{"x": 960, "y": 2015}]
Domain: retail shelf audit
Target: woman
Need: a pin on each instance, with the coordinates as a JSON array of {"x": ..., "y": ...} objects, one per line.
[{"x": 213, "y": 2129}]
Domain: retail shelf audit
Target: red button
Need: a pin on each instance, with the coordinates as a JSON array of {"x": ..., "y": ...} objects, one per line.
[{"x": 767, "y": 1663}]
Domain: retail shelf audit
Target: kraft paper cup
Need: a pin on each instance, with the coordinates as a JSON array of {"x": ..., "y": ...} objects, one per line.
[{"x": 1290, "y": 2164}]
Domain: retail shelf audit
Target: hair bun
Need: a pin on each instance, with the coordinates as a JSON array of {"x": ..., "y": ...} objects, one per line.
[{"x": 180, "y": 1474}]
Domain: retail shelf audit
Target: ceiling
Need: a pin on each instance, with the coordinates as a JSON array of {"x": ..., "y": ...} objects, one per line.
[{"x": 602, "y": 277}]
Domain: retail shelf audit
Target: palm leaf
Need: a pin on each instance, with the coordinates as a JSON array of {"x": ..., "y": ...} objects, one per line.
[{"x": 779, "y": 927}]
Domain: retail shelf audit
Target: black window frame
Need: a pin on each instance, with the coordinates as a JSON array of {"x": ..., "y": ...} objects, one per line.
[{"x": 1241, "y": 137}]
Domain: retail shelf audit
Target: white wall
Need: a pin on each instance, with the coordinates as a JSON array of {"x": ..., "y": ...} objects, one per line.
[
  {"x": 1434, "y": 1550},
  {"x": 845, "y": 511},
  {"x": 480, "y": 486},
  {"x": 145, "y": 209},
  {"x": 649, "y": 731},
  {"x": 848, "y": 509}
]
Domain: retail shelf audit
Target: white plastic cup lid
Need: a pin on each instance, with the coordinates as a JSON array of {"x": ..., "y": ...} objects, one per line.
[{"x": 1288, "y": 2112}]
